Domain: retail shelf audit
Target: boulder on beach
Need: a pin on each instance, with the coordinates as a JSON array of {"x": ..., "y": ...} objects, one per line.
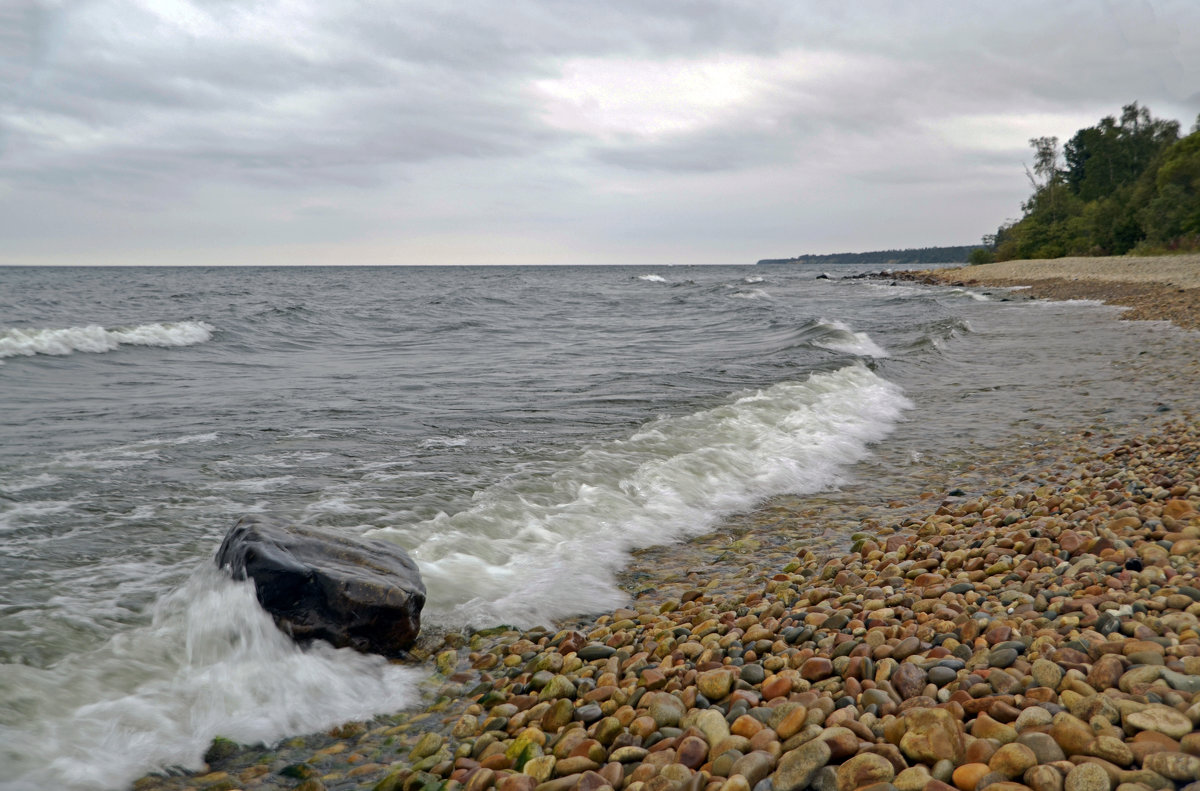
[{"x": 352, "y": 592}]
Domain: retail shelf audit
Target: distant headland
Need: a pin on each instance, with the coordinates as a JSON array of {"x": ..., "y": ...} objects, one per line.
[{"x": 917, "y": 255}]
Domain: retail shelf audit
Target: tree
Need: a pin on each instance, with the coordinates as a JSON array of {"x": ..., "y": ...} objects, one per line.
[
  {"x": 1045, "y": 160},
  {"x": 1117, "y": 184},
  {"x": 1173, "y": 210}
]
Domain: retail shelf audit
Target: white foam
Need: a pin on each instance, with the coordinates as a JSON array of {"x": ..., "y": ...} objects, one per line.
[
  {"x": 966, "y": 292},
  {"x": 256, "y": 485},
  {"x": 210, "y": 663},
  {"x": 753, "y": 293},
  {"x": 839, "y": 337},
  {"x": 444, "y": 442},
  {"x": 752, "y": 279},
  {"x": 12, "y": 515},
  {"x": 31, "y": 482},
  {"x": 548, "y": 542},
  {"x": 652, "y": 278},
  {"x": 96, "y": 339}
]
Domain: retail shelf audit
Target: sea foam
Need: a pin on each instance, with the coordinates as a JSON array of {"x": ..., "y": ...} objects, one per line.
[
  {"x": 210, "y": 663},
  {"x": 548, "y": 543},
  {"x": 93, "y": 338}
]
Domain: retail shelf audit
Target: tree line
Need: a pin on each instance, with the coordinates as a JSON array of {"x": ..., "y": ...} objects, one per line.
[
  {"x": 1127, "y": 184},
  {"x": 916, "y": 255}
]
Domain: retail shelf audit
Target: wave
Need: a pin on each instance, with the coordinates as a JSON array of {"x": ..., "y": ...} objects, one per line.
[
  {"x": 966, "y": 292},
  {"x": 210, "y": 663},
  {"x": 548, "y": 543},
  {"x": 96, "y": 339},
  {"x": 838, "y": 337},
  {"x": 652, "y": 278},
  {"x": 936, "y": 334}
]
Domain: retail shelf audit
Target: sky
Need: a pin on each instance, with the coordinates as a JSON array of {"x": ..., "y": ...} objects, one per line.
[{"x": 235, "y": 132}]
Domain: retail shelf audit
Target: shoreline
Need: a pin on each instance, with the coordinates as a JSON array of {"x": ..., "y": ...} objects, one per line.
[
  {"x": 1038, "y": 623},
  {"x": 1045, "y": 616},
  {"x": 1163, "y": 288}
]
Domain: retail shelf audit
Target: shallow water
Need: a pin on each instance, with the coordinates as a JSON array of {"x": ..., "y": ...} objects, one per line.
[{"x": 518, "y": 430}]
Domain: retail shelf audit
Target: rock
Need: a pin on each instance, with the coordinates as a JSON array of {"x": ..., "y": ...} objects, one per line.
[
  {"x": 816, "y": 668},
  {"x": 791, "y": 723},
  {"x": 355, "y": 593},
  {"x": 1105, "y": 673},
  {"x": 1044, "y": 778},
  {"x": 1046, "y": 673},
  {"x": 594, "y": 651},
  {"x": 429, "y": 743},
  {"x": 967, "y": 776},
  {"x": 1182, "y": 681},
  {"x": 540, "y": 769},
  {"x": 908, "y": 680},
  {"x": 932, "y": 735},
  {"x": 1032, "y": 717},
  {"x": 985, "y": 727},
  {"x": 692, "y": 752},
  {"x": 1111, "y": 749},
  {"x": 220, "y": 751},
  {"x": 753, "y": 766},
  {"x": 715, "y": 684},
  {"x": 1072, "y": 734},
  {"x": 1045, "y": 749},
  {"x": 1164, "y": 719},
  {"x": 1087, "y": 777},
  {"x": 842, "y": 742},
  {"x": 666, "y": 710},
  {"x": 628, "y": 754},
  {"x": 1002, "y": 657},
  {"x": 1012, "y": 760},
  {"x": 906, "y": 648},
  {"x": 1175, "y": 766},
  {"x": 797, "y": 767},
  {"x": 710, "y": 723},
  {"x": 915, "y": 778},
  {"x": 864, "y": 769},
  {"x": 941, "y": 676}
]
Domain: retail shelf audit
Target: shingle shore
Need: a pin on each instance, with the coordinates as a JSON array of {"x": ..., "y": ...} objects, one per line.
[
  {"x": 1043, "y": 636},
  {"x": 1045, "y": 639},
  {"x": 1164, "y": 287}
]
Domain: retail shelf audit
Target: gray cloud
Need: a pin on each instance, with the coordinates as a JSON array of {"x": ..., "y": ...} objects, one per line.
[{"x": 419, "y": 125}]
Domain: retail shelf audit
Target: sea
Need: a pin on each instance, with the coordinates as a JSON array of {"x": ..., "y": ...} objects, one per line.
[{"x": 518, "y": 430}]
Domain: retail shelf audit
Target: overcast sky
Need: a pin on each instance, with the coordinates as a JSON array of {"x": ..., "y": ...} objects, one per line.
[{"x": 531, "y": 131}]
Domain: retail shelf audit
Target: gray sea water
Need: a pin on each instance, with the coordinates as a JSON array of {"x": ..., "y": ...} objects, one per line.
[{"x": 518, "y": 430}]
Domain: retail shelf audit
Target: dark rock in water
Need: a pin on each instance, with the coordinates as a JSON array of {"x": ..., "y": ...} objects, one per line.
[{"x": 352, "y": 592}]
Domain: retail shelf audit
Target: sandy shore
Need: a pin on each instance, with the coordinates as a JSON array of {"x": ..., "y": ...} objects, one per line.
[{"x": 1162, "y": 287}]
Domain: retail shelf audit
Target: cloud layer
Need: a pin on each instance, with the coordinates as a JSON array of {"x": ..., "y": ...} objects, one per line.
[{"x": 298, "y": 131}]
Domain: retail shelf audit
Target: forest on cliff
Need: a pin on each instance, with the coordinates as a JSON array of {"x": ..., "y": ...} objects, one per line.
[{"x": 1128, "y": 184}]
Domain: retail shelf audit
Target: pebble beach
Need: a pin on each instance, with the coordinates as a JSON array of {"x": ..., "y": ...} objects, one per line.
[{"x": 1034, "y": 624}]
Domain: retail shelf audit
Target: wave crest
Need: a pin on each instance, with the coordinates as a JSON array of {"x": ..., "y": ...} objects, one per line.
[{"x": 93, "y": 338}]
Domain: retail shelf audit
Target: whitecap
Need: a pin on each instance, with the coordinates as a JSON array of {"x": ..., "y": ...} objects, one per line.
[
  {"x": 838, "y": 337},
  {"x": 96, "y": 339}
]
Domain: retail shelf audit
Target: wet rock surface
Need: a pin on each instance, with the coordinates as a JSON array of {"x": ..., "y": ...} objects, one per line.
[{"x": 351, "y": 592}]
